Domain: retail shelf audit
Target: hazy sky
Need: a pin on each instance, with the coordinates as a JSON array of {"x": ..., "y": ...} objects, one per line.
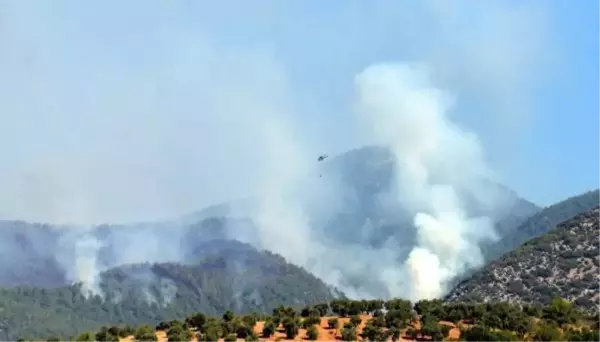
[{"x": 131, "y": 110}]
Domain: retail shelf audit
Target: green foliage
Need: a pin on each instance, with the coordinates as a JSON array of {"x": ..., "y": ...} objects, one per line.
[
  {"x": 310, "y": 321},
  {"x": 312, "y": 333},
  {"x": 484, "y": 333},
  {"x": 231, "y": 338},
  {"x": 543, "y": 268},
  {"x": 542, "y": 222},
  {"x": 197, "y": 320},
  {"x": 374, "y": 333},
  {"x": 496, "y": 321},
  {"x": 268, "y": 329},
  {"x": 252, "y": 337},
  {"x": 355, "y": 320},
  {"x": 178, "y": 332},
  {"x": 290, "y": 326},
  {"x": 86, "y": 336},
  {"x": 560, "y": 311},
  {"x": 349, "y": 334},
  {"x": 333, "y": 323},
  {"x": 145, "y": 333},
  {"x": 267, "y": 281}
]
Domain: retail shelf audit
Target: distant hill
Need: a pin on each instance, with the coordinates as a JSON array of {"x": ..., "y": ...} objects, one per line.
[
  {"x": 563, "y": 262},
  {"x": 235, "y": 277},
  {"x": 542, "y": 222},
  {"x": 366, "y": 215}
]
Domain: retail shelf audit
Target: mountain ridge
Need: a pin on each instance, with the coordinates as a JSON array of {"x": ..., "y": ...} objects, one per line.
[{"x": 366, "y": 217}]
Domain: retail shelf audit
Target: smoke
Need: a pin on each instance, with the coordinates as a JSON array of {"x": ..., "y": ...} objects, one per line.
[
  {"x": 180, "y": 112},
  {"x": 434, "y": 159}
]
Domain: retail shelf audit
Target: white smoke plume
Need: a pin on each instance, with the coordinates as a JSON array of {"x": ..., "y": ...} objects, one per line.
[
  {"x": 434, "y": 158},
  {"x": 180, "y": 112}
]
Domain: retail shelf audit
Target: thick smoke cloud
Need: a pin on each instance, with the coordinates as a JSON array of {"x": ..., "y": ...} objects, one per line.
[
  {"x": 174, "y": 116},
  {"x": 434, "y": 158}
]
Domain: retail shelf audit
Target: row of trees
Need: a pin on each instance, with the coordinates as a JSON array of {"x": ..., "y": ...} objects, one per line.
[{"x": 387, "y": 319}]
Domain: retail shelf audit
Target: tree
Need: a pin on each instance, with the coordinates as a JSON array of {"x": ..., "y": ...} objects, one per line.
[
  {"x": 243, "y": 330},
  {"x": 412, "y": 333},
  {"x": 252, "y": 337},
  {"x": 349, "y": 334},
  {"x": 397, "y": 318},
  {"x": 311, "y": 320},
  {"x": 312, "y": 333},
  {"x": 291, "y": 328},
  {"x": 355, "y": 320},
  {"x": 178, "y": 333},
  {"x": 105, "y": 336},
  {"x": 322, "y": 308},
  {"x": 196, "y": 320},
  {"x": 86, "y": 337},
  {"x": 433, "y": 330},
  {"x": 211, "y": 333},
  {"x": 228, "y": 316},
  {"x": 333, "y": 323},
  {"x": 268, "y": 329},
  {"x": 145, "y": 333},
  {"x": 547, "y": 332},
  {"x": 395, "y": 333},
  {"x": 560, "y": 311},
  {"x": 374, "y": 333}
]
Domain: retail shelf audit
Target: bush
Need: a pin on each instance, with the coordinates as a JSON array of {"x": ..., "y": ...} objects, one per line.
[
  {"x": 291, "y": 328},
  {"x": 268, "y": 329},
  {"x": 312, "y": 333},
  {"x": 349, "y": 334},
  {"x": 355, "y": 320},
  {"x": 333, "y": 323},
  {"x": 230, "y": 338}
]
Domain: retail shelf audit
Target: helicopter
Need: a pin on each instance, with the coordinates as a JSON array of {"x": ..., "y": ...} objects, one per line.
[{"x": 320, "y": 159}]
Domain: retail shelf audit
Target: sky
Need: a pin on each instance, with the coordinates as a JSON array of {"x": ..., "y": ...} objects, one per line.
[{"x": 116, "y": 111}]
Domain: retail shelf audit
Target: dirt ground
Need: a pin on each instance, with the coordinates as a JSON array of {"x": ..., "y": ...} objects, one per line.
[{"x": 325, "y": 334}]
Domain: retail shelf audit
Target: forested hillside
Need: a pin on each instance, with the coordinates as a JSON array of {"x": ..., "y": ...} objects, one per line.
[{"x": 245, "y": 281}]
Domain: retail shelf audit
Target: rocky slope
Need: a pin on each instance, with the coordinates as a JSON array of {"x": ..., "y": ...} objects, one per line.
[{"x": 563, "y": 262}]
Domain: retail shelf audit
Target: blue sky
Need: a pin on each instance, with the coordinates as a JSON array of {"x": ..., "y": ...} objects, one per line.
[{"x": 140, "y": 109}]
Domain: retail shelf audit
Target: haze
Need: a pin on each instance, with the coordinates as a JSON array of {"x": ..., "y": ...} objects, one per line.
[{"x": 141, "y": 110}]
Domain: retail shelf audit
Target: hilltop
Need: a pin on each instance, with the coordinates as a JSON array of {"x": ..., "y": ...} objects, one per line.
[
  {"x": 563, "y": 262},
  {"x": 370, "y": 320},
  {"x": 542, "y": 222},
  {"x": 235, "y": 276},
  {"x": 366, "y": 215}
]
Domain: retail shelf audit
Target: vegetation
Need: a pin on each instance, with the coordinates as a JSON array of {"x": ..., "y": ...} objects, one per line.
[
  {"x": 542, "y": 222},
  {"x": 426, "y": 319},
  {"x": 38, "y": 253},
  {"x": 563, "y": 262},
  {"x": 248, "y": 281}
]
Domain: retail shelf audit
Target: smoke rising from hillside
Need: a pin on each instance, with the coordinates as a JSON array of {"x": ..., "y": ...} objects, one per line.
[
  {"x": 179, "y": 113},
  {"x": 435, "y": 158}
]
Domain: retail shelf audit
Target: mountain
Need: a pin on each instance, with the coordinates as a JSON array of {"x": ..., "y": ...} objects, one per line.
[
  {"x": 563, "y": 262},
  {"x": 361, "y": 211},
  {"x": 232, "y": 276},
  {"x": 542, "y": 222}
]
